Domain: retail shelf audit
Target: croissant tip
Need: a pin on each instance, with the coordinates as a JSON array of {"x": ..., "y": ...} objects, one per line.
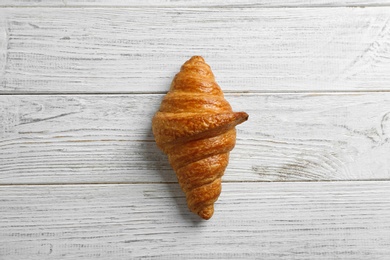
[
  {"x": 241, "y": 117},
  {"x": 197, "y": 58},
  {"x": 207, "y": 212}
]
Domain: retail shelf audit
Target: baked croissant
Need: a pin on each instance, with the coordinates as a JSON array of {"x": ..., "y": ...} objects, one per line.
[{"x": 195, "y": 127}]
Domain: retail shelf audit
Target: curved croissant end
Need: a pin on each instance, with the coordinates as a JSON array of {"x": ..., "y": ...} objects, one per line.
[{"x": 195, "y": 127}]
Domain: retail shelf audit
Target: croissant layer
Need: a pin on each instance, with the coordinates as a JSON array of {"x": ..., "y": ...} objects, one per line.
[{"x": 195, "y": 127}]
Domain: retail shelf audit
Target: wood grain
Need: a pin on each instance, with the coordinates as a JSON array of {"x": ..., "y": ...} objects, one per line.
[
  {"x": 123, "y": 50},
  {"x": 80, "y": 174},
  {"x": 195, "y": 3},
  {"x": 339, "y": 220},
  {"x": 108, "y": 139}
]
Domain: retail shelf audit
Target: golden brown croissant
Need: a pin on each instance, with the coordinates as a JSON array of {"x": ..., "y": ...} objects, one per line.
[{"x": 195, "y": 127}]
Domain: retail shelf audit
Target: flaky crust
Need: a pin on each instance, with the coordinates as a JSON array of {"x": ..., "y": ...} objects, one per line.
[{"x": 195, "y": 127}]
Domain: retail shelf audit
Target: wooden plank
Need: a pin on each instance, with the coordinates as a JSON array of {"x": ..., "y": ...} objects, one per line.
[
  {"x": 3, "y": 48},
  {"x": 32, "y": 3},
  {"x": 108, "y": 138},
  {"x": 336, "y": 220},
  {"x": 123, "y": 50},
  {"x": 195, "y": 3}
]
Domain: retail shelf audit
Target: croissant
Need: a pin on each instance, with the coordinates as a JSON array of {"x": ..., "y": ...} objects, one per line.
[{"x": 195, "y": 127}]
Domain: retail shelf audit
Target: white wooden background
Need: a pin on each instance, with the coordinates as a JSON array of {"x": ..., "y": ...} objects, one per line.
[{"x": 80, "y": 174}]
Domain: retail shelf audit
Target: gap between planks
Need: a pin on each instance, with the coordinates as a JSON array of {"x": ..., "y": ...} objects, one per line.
[
  {"x": 319, "y": 92},
  {"x": 257, "y": 6},
  {"x": 174, "y": 182}
]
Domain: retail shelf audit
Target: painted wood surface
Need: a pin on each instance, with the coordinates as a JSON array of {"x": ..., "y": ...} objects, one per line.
[
  {"x": 195, "y": 3},
  {"x": 298, "y": 220},
  {"x": 108, "y": 138},
  {"x": 133, "y": 50},
  {"x": 80, "y": 174}
]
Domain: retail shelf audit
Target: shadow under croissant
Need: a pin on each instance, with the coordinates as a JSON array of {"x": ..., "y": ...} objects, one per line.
[{"x": 158, "y": 163}]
